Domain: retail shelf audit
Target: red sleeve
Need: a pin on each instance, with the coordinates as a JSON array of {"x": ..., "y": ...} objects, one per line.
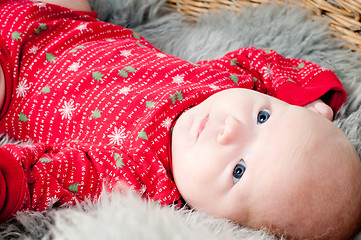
[
  {"x": 295, "y": 81},
  {"x": 14, "y": 194},
  {"x": 35, "y": 176}
]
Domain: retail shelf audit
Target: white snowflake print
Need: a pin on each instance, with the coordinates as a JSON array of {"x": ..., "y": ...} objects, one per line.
[
  {"x": 22, "y": 88},
  {"x": 126, "y": 53},
  {"x": 33, "y": 50},
  {"x": 178, "y": 79},
  {"x": 74, "y": 67},
  {"x": 67, "y": 109},
  {"x": 214, "y": 87},
  {"x": 161, "y": 55},
  {"x": 82, "y": 27},
  {"x": 268, "y": 72},
  {"x": 167, "y": 123},
  {"x": 124, "y": 90},
  {"x": 110, "y": 40},
  {"x": 117, "y": 136}
]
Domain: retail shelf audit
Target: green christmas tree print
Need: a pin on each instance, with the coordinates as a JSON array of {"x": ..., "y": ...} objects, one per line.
[
  {"x": 291, "y": 80},
  {"x": 41, "y": 27},
  {"x": 234, "y": 78},
  {"x": 96, "y": 114},
  {"x": 124, "y": 72},
  {"x": 173, "y": 98},
  {"x": 268, "y": 51},
  {"x": 141, "y": 45},
  {"x": 74, "y": 188},
  {"x": 233, "y": 61},
  {"x": 97, "y": 76},
  {"x": 37, "y": 31},
  {"x": 149, "y": 104},
  {"x": 23, "y": 117},
  {"x": 300, "y": 66},
  {"x": 15, "y": 35},
  {"x": 76, "y": 48},
  {"x": 143, "y": 135},
  {"x": 178, "y": 96},
  {"x": 129, "y": 69},
  {"x": 255, "y": 79},
  {"x": 50, "y": 57},
  {"x": 45, "y": 89},
  {"x": 45, "y": 160},
  {"x": 135, "y": 35},
  {"x": 118, "y": 160}
]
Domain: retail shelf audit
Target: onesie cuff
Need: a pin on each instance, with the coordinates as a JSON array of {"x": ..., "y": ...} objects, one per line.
[
  {"x": 13, "y": 186},
  {"x": 325, "y": 86}
]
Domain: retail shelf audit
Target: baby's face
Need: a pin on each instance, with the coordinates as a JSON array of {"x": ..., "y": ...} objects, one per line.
[{"x": 241, "y": 155}]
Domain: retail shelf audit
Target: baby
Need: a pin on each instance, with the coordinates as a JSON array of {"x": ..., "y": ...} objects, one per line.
[
  {"x": 99, "y": 104},
  {"x": 265, "y": 163}
]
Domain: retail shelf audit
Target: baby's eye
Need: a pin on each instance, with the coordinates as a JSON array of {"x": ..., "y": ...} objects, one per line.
[
  {"x": 263, "y": 116},
  {"x": 238, "y": 171}
]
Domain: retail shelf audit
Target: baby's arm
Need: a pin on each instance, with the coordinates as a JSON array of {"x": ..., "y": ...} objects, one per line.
[
  {"x": 34, "y": 176},
  {"x": 295, "y": 81},
  {"x": 78, "y": 5}
]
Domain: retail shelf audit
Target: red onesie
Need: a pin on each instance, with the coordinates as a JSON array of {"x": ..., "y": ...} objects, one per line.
[{"x": 98, "y": 102}]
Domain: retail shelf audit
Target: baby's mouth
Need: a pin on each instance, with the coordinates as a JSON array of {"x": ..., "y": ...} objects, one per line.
[{"x": 202, "y": 125}]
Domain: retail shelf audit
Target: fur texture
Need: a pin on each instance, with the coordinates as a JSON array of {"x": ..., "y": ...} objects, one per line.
[{"x": 287, "y": 29}]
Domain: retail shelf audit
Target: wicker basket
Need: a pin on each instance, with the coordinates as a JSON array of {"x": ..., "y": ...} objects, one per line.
[{"x": 343, "y": 15}]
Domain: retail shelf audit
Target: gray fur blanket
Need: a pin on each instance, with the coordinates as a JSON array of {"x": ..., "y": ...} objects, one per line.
[{"x": 287, "y": 29}]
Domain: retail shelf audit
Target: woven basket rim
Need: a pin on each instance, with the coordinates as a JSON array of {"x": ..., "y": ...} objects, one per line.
[{"x": 342, "y": 16}]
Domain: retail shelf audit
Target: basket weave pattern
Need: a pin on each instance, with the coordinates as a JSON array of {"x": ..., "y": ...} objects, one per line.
[{"x": 344, "y": 16}]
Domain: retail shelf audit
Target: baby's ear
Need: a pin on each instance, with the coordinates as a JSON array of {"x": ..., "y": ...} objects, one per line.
[{"x": 318, "y": 106}]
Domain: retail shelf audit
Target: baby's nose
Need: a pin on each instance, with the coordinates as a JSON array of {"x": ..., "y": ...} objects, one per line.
[{"x": 230, "y": 131}]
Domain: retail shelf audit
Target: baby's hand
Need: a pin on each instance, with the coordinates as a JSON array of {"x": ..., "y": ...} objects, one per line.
[{"x": 318, "y": 106}]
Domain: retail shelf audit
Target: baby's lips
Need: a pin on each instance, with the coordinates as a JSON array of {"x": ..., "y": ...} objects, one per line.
[{"x": 202, "y": 125}]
